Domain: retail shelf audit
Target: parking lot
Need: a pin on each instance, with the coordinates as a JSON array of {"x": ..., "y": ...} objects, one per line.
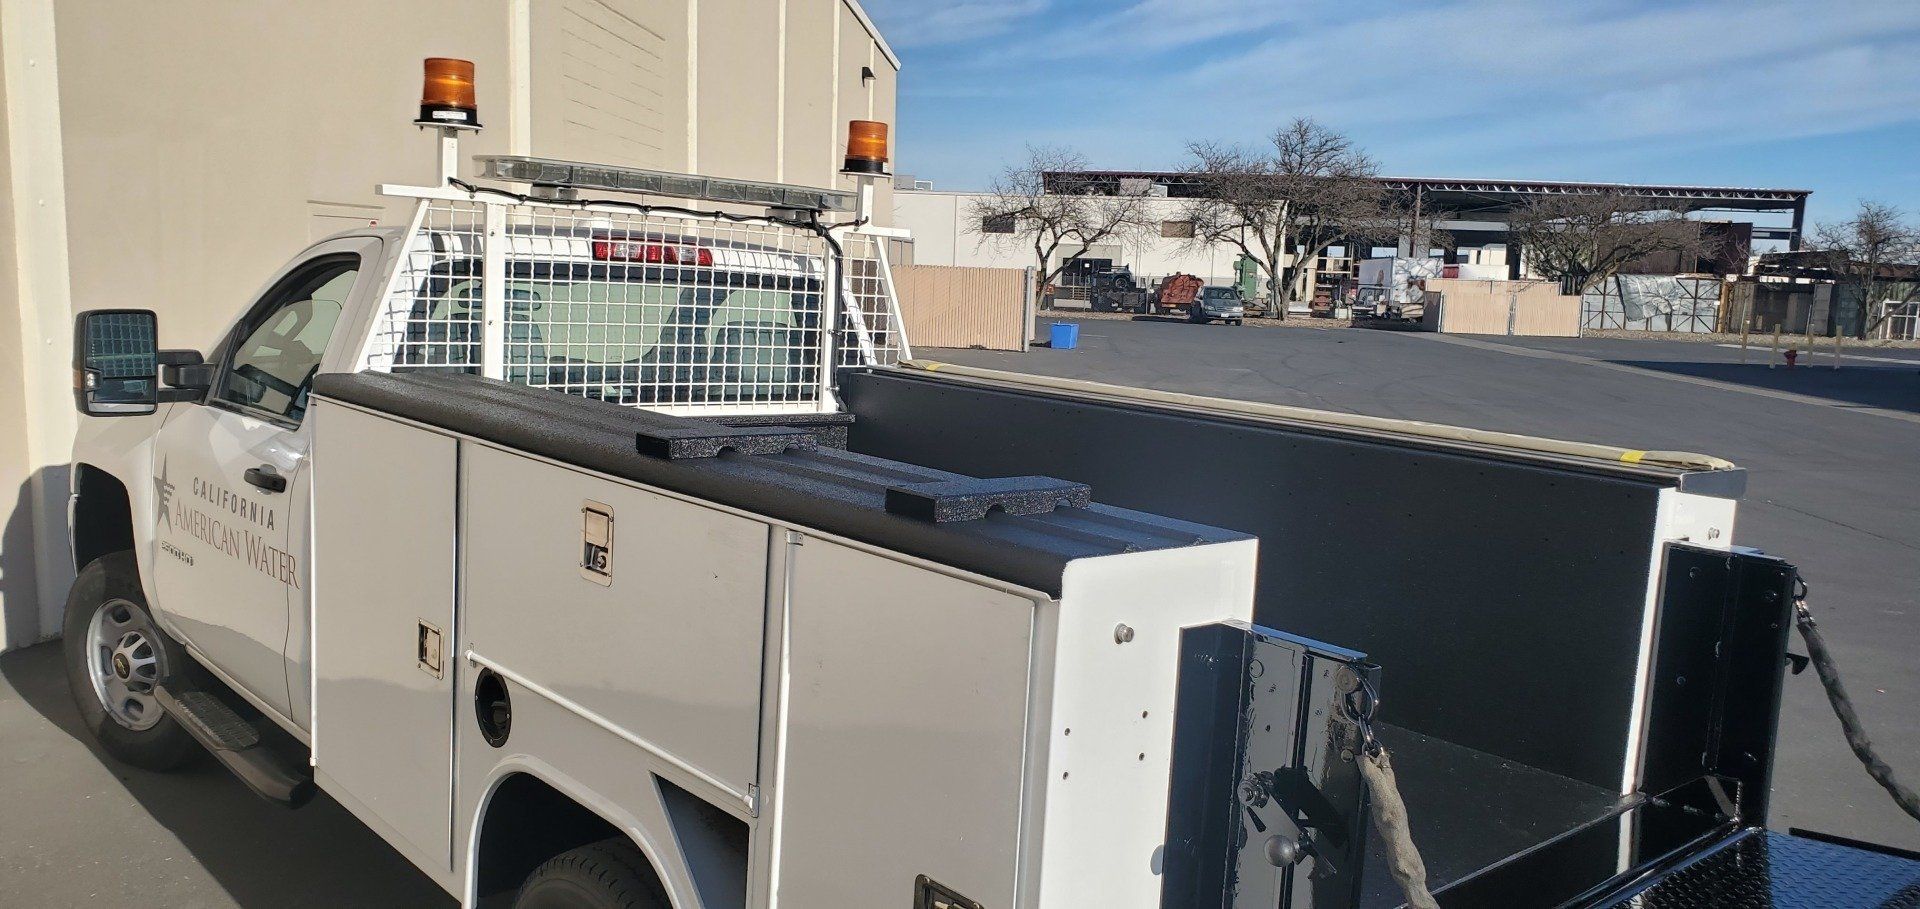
[
  {"x": 82, "y": 830},
  {"x": 1830, "y": 456}
]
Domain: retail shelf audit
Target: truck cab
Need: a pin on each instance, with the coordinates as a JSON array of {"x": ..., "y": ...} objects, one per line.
[{"x": 219, "y": 480}]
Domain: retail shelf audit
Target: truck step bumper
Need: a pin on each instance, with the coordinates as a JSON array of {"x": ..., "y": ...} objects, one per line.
[{"x": 236, "y": 743}]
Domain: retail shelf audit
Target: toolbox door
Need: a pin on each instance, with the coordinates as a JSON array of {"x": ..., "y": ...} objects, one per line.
[{"x": 384, "y": 516}]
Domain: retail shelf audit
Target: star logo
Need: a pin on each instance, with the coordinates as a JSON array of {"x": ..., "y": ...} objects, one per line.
[{"x": 163, "y": 496}]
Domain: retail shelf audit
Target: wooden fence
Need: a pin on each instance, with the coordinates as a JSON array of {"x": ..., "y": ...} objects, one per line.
[
  {"x": 1469, "y": 307},
  {"x": 954, "y": 306}
]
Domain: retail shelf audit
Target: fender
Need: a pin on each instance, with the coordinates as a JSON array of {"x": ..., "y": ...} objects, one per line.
[
  {"x": 123, "y": 448},
  {"x": 677, "y": 886}
]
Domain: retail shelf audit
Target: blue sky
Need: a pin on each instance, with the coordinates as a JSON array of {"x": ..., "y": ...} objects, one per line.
[{"x": 1810, "y": 95}]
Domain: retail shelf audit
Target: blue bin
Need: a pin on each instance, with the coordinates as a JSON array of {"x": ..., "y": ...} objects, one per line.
[{"x": 1065, "y": 336}]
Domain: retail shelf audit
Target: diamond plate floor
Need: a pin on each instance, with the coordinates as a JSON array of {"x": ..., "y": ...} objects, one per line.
[{"x": 1766, "y": 870}]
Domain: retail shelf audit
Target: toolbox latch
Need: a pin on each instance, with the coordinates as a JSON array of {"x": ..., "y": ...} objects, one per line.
[{"x": 941, "y": 501}]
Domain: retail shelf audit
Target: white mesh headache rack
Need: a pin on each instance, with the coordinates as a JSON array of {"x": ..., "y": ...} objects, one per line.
[{"x": 653, "y": 306}]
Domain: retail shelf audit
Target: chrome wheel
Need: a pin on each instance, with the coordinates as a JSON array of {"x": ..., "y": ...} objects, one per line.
[{"x": 124, "y": 663}]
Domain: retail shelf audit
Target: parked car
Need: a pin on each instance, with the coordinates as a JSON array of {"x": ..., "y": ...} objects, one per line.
[{"x": 1217, "y": 302}]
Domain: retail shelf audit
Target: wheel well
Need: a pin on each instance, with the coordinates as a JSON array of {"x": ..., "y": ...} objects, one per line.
[
  {"x": 102, "y": 516},
  {"x": 526, "y": 823}
]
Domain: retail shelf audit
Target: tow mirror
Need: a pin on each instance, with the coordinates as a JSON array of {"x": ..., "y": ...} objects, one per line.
[{"x": 118, "y": 365}]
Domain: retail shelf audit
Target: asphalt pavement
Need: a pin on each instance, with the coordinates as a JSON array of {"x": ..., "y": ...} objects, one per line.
[
  {"x": 80, "y": 829},
  {"x": 1831, "y": 456}
]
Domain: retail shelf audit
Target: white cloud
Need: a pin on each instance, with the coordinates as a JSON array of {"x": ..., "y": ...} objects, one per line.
[
  {"x": 1516, "y": 88},
  {"x": 1512, "y": 77},
  {"x": 924, "y": 23}
]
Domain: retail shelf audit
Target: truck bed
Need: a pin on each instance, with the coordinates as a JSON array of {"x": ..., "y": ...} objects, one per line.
[{"x": 1512, "y": 776}]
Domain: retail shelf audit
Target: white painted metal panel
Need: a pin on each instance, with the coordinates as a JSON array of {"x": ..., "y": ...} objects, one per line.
[
  {"x": 906, "y": 706},
  {"x": 1106, "y": 779},
  {"x": 668, "y": 652},
  {"x": 383, "y": 531}
]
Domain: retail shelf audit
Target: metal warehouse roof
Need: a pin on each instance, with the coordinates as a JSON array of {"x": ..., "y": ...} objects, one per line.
[{"x": 1488, "y": 195}]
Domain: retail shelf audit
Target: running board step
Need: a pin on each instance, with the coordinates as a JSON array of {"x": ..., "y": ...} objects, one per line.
[{"x": 236, "y": 744}]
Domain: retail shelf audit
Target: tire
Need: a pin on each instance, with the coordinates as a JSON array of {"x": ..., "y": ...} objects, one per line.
[
  {"x": 610, "y": 874},
  {"x": 152, "y": 740}
]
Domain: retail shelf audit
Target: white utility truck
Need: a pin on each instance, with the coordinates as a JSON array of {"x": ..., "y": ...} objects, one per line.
[{"x": 597, "y": 551}]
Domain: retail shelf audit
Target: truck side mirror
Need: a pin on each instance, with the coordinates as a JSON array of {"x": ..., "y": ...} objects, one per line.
[
  {"x": 116, "y": 362},
  {"x": 118, "y": 366}
]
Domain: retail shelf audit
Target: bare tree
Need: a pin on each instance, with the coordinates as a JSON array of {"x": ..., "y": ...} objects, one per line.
[
  {"x": 1584, "y": 238},
  {"x": 1866, "y": 245},
  {"x": 1046, "y": 203},
  {"x": 1308, "y": 189}
]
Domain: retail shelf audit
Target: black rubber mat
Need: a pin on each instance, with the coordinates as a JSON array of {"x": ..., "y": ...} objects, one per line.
[{"x": 1767, "y": 870}]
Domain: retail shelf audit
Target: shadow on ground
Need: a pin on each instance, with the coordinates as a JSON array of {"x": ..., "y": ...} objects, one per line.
[
  {"x": 80, "y": 842},
  {"x": 1888, "y": 387}
]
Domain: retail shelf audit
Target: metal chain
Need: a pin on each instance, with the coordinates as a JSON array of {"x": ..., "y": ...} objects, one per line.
[{"x": 1850, "y": 724}]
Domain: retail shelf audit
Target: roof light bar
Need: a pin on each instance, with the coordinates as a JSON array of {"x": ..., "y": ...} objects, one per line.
[{"x": 608, "y": 178}]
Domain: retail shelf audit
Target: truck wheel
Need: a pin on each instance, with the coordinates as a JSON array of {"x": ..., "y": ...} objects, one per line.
[
  {"x": 115, "y": 657},
  {"x": 610, "y": 874}
]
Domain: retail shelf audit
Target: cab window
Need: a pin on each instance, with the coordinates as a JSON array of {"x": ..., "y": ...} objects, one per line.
[{"x": 280, "y": 347}]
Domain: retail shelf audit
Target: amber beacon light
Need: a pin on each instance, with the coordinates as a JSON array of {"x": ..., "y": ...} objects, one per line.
[
  {"x": 447, "y": 97},
  {"x": 866, "y": 147}
]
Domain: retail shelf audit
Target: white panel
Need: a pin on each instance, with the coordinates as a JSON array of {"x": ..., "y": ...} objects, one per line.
[
  {"x": 383, "y": 522},
  {"x": 907, "y": 703},
  {"x": 669, "y": 651},
  {"x": 1106, "y": 780}
]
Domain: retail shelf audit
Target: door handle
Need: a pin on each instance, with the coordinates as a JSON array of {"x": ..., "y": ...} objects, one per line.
[{"x": 267, "y": 478}]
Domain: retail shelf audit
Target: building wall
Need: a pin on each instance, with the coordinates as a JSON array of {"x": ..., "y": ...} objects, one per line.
[
  {"x": 609, "y": 81},
  {"x": 18, "y": 573},
  {"x": 34, "y": 349},
  {"x": 945, "y": 232},
  {"x": 178, "y": 153}
]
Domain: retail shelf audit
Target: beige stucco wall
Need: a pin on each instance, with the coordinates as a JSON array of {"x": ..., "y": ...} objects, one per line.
[
  {"x": 179, "y": 152},
  {"x": 208, "y": 141},
  {"x": 37, "y": 414},
  {"x": 18, "y": 574}
]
